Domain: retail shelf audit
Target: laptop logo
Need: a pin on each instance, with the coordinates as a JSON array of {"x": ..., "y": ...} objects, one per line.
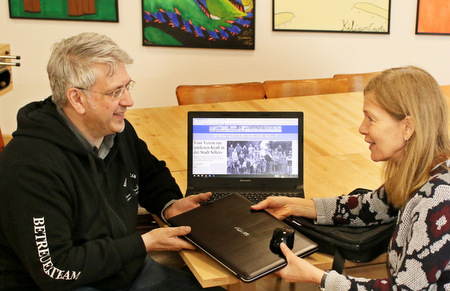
[
  {"x": 241, "y": 231},
  {"x": 245, "y": 180}
]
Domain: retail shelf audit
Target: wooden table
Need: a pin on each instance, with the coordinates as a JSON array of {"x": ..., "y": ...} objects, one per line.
[{"x": 336, "y": 158}]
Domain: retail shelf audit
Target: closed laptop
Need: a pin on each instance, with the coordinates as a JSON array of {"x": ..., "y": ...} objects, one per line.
[{"x": 238, "y": 237}]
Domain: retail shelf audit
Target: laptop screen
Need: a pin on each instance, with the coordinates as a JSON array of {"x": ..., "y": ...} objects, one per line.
[{"x": 246, "y": 144}]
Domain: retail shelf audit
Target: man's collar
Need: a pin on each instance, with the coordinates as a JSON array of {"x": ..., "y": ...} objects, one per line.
[{"x": 105, "y": 147}]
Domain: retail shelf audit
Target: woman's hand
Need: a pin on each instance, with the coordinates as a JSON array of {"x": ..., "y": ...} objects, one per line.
[
  {"x": 298, "y": 270},
  {"x": 282, "y": 207}
]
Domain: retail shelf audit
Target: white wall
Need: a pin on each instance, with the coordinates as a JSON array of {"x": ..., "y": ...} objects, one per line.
[{"x": 278, "y": 55}]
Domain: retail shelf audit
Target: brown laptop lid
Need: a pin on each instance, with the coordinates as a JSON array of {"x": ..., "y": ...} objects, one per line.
[{"x": 237, "y": 237}]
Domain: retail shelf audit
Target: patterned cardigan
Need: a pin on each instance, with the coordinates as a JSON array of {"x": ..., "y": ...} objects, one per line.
[{"x": 419, "y": 250}]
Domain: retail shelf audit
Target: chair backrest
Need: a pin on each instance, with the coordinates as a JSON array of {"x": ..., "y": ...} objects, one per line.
[
  {"x": 304, "y": 87},
  {"x": 196, "y": 94},
  {"x": 2, "y": 143},
  {"x": 357, "y": 82}
]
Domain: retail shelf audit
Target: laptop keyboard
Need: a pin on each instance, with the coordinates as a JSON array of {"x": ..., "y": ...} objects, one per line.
[{"x": 253, "y": 197}]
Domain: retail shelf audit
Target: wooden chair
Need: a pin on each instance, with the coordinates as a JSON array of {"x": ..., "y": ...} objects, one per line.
[
  {"x": 2, "y": 143},
  {"x": 196, "y": 94},
  {"x": 357, "y": 82},
  {"x": 304, "y": 87}
]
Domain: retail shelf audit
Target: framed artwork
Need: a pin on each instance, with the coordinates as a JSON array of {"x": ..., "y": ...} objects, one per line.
[
  {"x": 84, "y": 10},
  {"x": 433, "y": 17},
  {"x": 225, "y": 24},
  {"x": 352, "y": 16}
]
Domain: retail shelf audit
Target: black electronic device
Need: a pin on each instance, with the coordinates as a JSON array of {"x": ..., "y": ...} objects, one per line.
[
  {"x": 238, "y": 237},
  {"x": 255, "y": 154},
  {"x": 282, "y": 235}
]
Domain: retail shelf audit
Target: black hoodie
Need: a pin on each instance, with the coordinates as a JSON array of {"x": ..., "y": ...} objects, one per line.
[{"x": 67, "y": 217}]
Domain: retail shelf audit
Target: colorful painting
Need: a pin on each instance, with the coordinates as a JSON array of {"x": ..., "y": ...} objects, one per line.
[
  {"x": 354, "y": 16},
  {"x": 433, "y": 17},
  {"x": 87, "y": 10},
  {"x": 226, "y": 24}
]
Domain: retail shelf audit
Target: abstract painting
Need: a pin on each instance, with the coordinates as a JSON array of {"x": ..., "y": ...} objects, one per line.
[
  {"x": 226, "y": 24},
  {"x": 354, "y": 16},
  {"x": 85, "y": 10}
]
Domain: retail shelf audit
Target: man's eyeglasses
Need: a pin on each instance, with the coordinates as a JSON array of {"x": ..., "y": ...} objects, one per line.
[{"x": 116, "y": 94}]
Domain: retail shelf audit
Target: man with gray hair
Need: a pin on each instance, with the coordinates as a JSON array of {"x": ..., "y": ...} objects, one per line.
[{"x": 72, "y": 178}]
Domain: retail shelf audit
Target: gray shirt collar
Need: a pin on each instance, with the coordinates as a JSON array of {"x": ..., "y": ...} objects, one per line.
[{"x": 105, "y": 147}]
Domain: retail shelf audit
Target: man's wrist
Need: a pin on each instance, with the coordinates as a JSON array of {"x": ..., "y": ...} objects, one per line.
[{"x": 163, "y": 211}]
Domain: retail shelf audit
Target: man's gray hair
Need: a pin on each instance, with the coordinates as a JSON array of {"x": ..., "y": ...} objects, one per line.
[{"x": 73, "y": 62}]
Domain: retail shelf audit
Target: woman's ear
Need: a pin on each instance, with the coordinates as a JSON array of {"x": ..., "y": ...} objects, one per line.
[
  {"x": 409, "y": 127},
  {"x": 75, "y": 98}
]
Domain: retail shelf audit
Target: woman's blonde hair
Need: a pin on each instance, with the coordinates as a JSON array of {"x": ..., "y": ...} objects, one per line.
[
  {"x": 411, "y": 91},
  {"x": 73, "y": 62}
]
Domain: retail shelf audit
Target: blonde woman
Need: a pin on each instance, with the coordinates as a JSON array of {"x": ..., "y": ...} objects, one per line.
[{"x": 405, "y": 125}]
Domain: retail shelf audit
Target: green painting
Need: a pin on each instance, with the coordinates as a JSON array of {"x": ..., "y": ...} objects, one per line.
[
  {"x": 228, "y": 24},
  {"x": 84, "y": 10}
]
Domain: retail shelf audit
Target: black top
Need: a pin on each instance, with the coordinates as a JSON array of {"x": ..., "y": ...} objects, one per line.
[{"x": 68, "y": 217}]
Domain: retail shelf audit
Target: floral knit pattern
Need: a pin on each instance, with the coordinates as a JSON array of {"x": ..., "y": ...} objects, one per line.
[{"x": 419, "y": 251}]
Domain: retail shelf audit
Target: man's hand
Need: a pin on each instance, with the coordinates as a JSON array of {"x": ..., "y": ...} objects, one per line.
[
  {"x": 185, "y": 204},
  {"x": 167, "y": 239}
]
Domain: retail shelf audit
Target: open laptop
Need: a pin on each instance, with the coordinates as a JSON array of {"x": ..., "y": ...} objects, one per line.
[
  {"x": 237, "y": 237},
  {"x": 255, "y": 154}
]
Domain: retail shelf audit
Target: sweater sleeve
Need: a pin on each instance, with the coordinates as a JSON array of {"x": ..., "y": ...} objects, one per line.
[
  {"x": 356, "y": 210},
  {"x": 419, "y": 252},
  {"x": 157, "y": 187},
  {"x": 419, "y": 256}
]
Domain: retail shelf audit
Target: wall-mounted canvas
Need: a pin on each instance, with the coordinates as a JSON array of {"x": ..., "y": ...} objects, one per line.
[
  {"x": 225, "y": 24},
  {"x": 84, "y": 10},
  {"x": 433, "y": 17},
  {"x": 354, "y": 16}
]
